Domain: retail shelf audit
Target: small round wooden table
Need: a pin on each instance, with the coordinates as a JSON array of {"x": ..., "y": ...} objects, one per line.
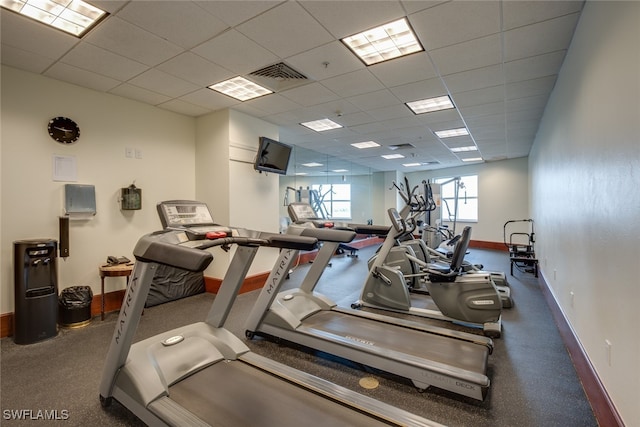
[{"x": 118, "y": 270}]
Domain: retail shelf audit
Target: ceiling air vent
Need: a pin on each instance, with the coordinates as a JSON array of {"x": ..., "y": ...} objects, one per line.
[
  {"x": 278, "y": 77},
  {"x": 400, "y": 146}
]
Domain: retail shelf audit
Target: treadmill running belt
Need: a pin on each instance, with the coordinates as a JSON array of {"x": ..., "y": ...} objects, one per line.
[
  {"x": 235, "y": 394},
  {"x": 457, "y": 353}
]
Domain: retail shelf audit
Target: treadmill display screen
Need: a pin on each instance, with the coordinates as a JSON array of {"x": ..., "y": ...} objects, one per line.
[{"x": 182, "y": 214}]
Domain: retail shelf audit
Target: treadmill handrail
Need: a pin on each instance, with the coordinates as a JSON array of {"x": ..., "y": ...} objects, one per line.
[
  {"x": 191, "y": 255},
  {"x": 327, "y": 234},
  {"x": 150, "y": 250}
]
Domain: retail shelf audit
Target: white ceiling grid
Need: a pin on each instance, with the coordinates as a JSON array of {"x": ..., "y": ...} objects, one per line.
[{"x": 498, "y": 60}]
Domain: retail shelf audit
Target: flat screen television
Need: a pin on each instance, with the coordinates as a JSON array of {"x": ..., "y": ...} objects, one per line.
[{"x": 273, "y": 156}]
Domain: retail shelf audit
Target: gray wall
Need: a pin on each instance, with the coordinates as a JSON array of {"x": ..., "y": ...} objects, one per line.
[{"x": 585, "y": 180}]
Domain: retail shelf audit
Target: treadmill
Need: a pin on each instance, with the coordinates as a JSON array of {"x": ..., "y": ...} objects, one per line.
[
  {"x": 427, "y": 355},
  {"x": 203, "y": 375}
]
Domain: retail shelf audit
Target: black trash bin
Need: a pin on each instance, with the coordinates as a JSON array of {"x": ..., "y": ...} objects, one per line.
[{"x": 75, "y": 306}]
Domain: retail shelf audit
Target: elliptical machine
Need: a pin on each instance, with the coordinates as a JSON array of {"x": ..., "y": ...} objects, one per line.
[
  {"x": 470, "y": 299},
  {"x": 412, "y": 256}
]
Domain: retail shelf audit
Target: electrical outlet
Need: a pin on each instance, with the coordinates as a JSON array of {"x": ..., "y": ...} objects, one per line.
[
  {"x": 128, "y": 152},
  {"x": 138, "y": 153},
  {"x": 607, "y": 346},
  {"x": 554, "y": 274}
]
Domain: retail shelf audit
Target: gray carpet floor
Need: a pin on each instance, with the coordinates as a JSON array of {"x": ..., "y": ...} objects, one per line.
[{"x": 533, "y": 382}]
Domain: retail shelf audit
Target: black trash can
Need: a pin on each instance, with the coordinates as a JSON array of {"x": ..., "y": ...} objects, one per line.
[{"x": 74, "y": 306}]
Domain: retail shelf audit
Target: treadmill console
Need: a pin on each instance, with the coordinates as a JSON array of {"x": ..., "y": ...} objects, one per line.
[
  {"x": 192, "y": 217},
  {"x": 396, "y": 220},
  {"x": 301, "y": 212}
]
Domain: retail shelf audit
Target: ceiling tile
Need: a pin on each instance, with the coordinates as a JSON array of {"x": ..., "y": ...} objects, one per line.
[
  {"x": 480, "y": 96},
  {"x": 345, "y": 18},
  {"x": 237, "y": 52},
  {"x": 273, "y": 103},
  {"x": 101, "y": 61},
  {"x": 534, "y": 66},
  {"x": 22, "y": 33},
  {"x": 455, "y": 22},
  {"x": 391, "y": 112},
  {"x": 368, "y": 101},
  {"x": 143, "y": 95},
  {"x": 403, "y": 70},
  {"x": 354, "y": 83},
  {"x": 77, "y": 76},
  {"x": 521, "y": 13},
  {"x": 182, "y": 107},
  {"x": 166, "y": 19},
  {"x": 326, "y": 61},
  {"x": 277, "y": 30},
  {"x": 210, "y": 99},
  {"x": 354, "y": 119},
  {"x": 489, "y": 108},
  {"x": 111, "y": 6},
  {"x": 311, "y": 94},
  {"x": 423, "y": 89},
  {"x": 475, "y": 79},
  {"x": 119, "y": 36},
  {"x": 412, "y": 6},
  {"x": 437, "y": 117},
  {"x": 539, "y": 38},
  {"x": 195, "y": 69},
  {"x": 477, "y": 53},
  {"x": 24, "y": 60},
  {"x": 163, "y": 83},
  {"x": 533, "y": 87},
  {"x": 236, "y": 12}
]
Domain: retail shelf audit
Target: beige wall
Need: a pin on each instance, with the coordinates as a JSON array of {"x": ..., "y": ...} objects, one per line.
[
  {"x": 32, "y": 201},
  {"x": 585, "y": 197},
  {"x": 227, "y": 142},
  {"x": 503, "y": 194}
]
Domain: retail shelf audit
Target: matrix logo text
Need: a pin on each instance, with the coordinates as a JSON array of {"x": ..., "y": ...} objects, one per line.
[{"x": 38, "y": 414}]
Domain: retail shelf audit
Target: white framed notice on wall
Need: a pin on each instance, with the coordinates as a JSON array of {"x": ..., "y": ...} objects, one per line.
[{"x": 65, "y": 168}]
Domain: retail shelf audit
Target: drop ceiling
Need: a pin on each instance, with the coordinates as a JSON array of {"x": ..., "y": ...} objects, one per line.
[{"x": 497, "y": 60}]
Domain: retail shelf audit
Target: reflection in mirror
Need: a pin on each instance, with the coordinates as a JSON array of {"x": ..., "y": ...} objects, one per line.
[{"x": 337, "y": 189}]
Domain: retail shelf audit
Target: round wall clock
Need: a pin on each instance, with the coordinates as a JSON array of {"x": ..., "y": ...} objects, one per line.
[{"x": 63, "y": 130}]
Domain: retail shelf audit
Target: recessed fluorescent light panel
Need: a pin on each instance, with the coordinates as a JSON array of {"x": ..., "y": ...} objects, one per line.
[
  {"x": 385, "y": 42},
  {"x": 312, "y": 164},
  {"x": 450, "y": 133},
  {"x": 430, "y": 105},
  {"x": 340, "y": 170},
  {"x": 321, "y": 125},
  {"x": 410, "y": 165},
  {"x": 393, "y": 156},
  {"x": 71, "y": 16},
  {"x": 473, "y": 159},
  {"x": 240, "y": 89},
  {"x": 365, "y": 144},
  {"x": 461, "y": 149}
]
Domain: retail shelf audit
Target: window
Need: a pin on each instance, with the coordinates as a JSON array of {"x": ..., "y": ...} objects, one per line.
[
  {"x": 467, "y": 189},
  {"x": 333, "y": 202}
]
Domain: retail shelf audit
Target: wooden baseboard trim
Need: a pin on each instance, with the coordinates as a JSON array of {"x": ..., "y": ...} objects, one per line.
[
  {"x": 481, "y": 244},
  {"x": 6, "y": 325},
  {"x": 251, "y": 283},
  {"x": 112, "y": 302},
  {"x": 601, "y": 404}
]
